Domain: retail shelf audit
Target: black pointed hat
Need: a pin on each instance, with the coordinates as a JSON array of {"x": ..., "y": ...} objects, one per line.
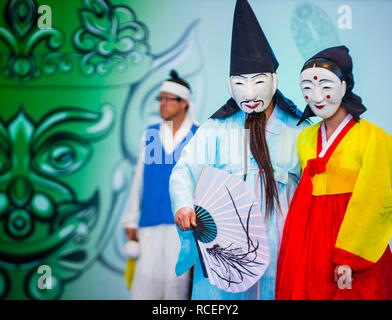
[
  {"x": 251, "y": 53},
  {"x": 250, "y": 50}
]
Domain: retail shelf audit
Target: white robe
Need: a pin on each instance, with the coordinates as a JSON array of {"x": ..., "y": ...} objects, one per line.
[
  {"x": 155, "y": 277},
  {"x": 219, "y": 143}
]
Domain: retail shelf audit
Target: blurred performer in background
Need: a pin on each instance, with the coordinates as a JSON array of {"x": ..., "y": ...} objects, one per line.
[
  {"x": 266, "y": 158},
  {"x": 150, "y": 219},
  {"x": 335, "y": 241}
]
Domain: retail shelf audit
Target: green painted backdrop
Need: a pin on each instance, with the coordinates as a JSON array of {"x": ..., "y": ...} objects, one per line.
[{"x": 75, "y": 99}]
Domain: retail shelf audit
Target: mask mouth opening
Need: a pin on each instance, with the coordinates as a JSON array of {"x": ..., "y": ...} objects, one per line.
[{"x": 75, "y": 219}]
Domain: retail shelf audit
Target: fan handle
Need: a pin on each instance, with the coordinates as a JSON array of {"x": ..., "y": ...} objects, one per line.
[{"x": 203, "y": 267}]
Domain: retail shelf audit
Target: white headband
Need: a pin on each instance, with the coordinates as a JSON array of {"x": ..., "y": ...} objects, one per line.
[
  {"x": 176, "y": 89},
  {"x": 182, "y": 92}
]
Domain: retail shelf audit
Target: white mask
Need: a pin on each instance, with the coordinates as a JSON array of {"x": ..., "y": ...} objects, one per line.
[
  {"x": 322, "y": 90},
  {"x": 253, "y": 92}
]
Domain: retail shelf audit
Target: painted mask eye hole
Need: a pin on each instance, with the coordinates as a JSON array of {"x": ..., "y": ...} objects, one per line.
[{"x": 62, "y": 156}]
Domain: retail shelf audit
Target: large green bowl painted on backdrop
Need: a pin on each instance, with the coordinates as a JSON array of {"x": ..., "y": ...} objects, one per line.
[{"x": 65, "y": 162}]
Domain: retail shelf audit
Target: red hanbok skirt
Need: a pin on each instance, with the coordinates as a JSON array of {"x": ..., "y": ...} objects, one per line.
[{"x": 308, "y": 273}]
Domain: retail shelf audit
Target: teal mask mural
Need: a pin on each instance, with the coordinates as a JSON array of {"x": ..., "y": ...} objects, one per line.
[
  {"x": 68, "y": 136},
  {"x": 42, "y": 219}
]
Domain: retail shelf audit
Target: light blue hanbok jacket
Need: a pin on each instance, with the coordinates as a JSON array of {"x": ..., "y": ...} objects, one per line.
[{"x": 220, "y": 143}]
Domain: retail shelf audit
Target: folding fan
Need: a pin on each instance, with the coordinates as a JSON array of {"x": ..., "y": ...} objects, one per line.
[{"x": 230, "y": 232}]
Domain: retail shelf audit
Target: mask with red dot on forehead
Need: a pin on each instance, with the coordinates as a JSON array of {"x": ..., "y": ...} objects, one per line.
[{"x": 322, "y": 90}]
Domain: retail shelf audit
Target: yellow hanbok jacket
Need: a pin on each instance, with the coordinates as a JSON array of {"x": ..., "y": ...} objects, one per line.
[{"x": 361, "y": 165}]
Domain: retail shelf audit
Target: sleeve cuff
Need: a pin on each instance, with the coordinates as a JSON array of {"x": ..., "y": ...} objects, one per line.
[
  {"x": 182, "y": 205},
  {"x": 356, "y": 263},
  {"x": 130, "y": 225},
  {"x": 131, "y": 219}
]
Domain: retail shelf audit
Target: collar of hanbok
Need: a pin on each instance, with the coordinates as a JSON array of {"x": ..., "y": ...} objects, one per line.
[
  {"x": 326, "y": 144},
  {"x": 274, "y": 123}
]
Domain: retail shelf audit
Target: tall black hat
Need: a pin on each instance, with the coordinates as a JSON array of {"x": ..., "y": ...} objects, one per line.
[
  {"x": 251, "y": 53},
  {"x": 250, "y": 50}
]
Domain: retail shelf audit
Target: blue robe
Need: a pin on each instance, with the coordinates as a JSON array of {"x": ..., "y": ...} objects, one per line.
[{"x": 220, "y": 143}]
